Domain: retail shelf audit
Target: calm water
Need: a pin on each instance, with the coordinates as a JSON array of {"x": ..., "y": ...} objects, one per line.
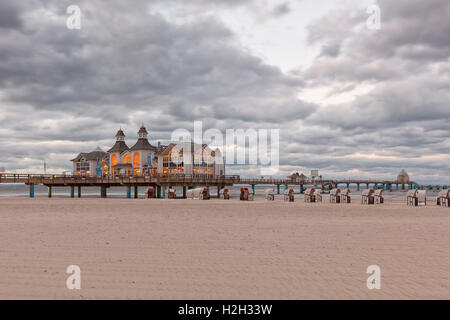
[{"x": 21, "y": 190}]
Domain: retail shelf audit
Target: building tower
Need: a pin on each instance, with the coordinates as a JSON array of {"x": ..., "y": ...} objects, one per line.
[
  {"x": 115, "y": 153},
  {"x": 142, "y": 153}
]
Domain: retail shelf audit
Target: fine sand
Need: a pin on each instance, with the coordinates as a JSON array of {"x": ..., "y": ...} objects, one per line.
[{"x": 191, "y": 249}]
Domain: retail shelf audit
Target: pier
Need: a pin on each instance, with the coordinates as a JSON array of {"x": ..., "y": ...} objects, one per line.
[{"x": 161, "y": 182}]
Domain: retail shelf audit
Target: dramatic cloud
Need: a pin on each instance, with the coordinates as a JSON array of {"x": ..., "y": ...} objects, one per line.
[{"x": 382, "y": 101}]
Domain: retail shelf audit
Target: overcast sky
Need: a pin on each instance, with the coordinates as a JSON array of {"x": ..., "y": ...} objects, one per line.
[{"x": 349, "y": 101}]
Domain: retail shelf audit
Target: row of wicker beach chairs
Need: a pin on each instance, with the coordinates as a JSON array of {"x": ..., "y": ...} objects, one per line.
[{"x": 369, "y": 196}]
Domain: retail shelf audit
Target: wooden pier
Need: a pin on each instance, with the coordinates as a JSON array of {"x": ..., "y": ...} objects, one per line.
[{"x": 161, "y": 182}]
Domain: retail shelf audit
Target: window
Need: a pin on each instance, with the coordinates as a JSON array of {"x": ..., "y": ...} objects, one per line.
[
  {"x": 136, "y": 160},
  {"x": 113, "y": 159}
]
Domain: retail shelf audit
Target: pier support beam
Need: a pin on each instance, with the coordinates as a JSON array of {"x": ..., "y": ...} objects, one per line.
[
  {"x": 103, "y": 192},
  {"x": 301, "y": 188},
  {"x": 367, "y": 186},
  {"x": 357, "y": 187},
  {"x": 253, "y": 188},
  {"x": 163, "y": 192},
  {"x": 136, "y": 192},
  {"x": 184, "y": 192},
  {"x": 49, "y": 191},
  {"x": 348, "y": 185},
  {"x": 218, "y": 192},
  {"x": 72, "y": 191},
  {"x": 158, "y": 192},
  {"x": 278, "y": 189},
  {"x": 128, "y": 192},
  {"x": 79, "y": 191},
  {"x": 31, "y": 190},
  {"x": 375, "y": 186},
  {"x": 396, "y": 186}
]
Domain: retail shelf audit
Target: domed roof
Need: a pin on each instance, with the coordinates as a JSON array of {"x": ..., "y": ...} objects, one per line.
[{"x": 403, "y": 176}]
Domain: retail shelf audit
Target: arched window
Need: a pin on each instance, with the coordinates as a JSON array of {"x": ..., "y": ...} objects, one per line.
[
  {"x": 127, "y": 158},
  {"x": 113, "y": 160},
  {"x": 136, "y": 160}
]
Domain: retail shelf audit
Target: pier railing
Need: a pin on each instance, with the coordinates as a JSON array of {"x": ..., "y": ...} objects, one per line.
[{"x": 165, "y": 179}]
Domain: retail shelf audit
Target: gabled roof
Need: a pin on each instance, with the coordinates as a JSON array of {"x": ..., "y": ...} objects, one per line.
[{"x": 94, "y": 155}]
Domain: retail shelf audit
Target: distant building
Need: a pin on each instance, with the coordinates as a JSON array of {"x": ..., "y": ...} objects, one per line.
[
  {"x": 144, "y": 159},
  {"x": 91, "y": 164},
  {"x": 296, "y": 177},
  {"x": 403, "y": 177}
]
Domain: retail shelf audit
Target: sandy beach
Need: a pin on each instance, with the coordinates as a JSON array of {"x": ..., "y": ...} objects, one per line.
[{"x": 187, "y": 249}]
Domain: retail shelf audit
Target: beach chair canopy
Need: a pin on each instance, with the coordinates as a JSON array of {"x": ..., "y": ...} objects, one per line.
[
  {"x": 422, "y": 195},
  {"x": 269, "y": 192},
  {"x": 378, "y": 193},
  {"x": 367, "y": 192},
  {"x": 335, "y": 192},
  {"x": 309, "y": 191},
  {"x": 345, "y": 192},
  {"x": 288, "y": 191},
  {"x": 412, "y": 193}
]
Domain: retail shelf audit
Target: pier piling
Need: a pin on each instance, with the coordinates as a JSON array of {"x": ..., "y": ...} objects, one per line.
[
  {"x": 72, "y": 191},
  {"x": 103, "y": 192},
  {"x": 79, "y": 191},
  {"x": 49, "y": 191},
  {"x": 128, "y": 192},
  {"x": 135, "y": 192},
  {"x": 31, "y": 190}
]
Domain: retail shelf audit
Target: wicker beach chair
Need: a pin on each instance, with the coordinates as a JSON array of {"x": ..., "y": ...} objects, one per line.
[
  {"x": 411, "y": 198},
  {"x": 318, "y": 194},
  {"x": 246, "y": 195},
  {"x": 269, "y": 194},
  {"x": 225, "y": 194},
  {"x": 367, "y": 196},
  {"x": 422, "y": 197},
  {"x": 378, "y": 196},
  {"x": 205, "y": 194},
  {"x": 345, "y": 196},
  {"x": 171, "y": 193},
  {"x": 151, "y": 193},
  {"x": 443, "y": 198},
  {"x": 335, "y": 195},
  {"x": 310, "y": 195},
  {"x": 289, "y": 195}
]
